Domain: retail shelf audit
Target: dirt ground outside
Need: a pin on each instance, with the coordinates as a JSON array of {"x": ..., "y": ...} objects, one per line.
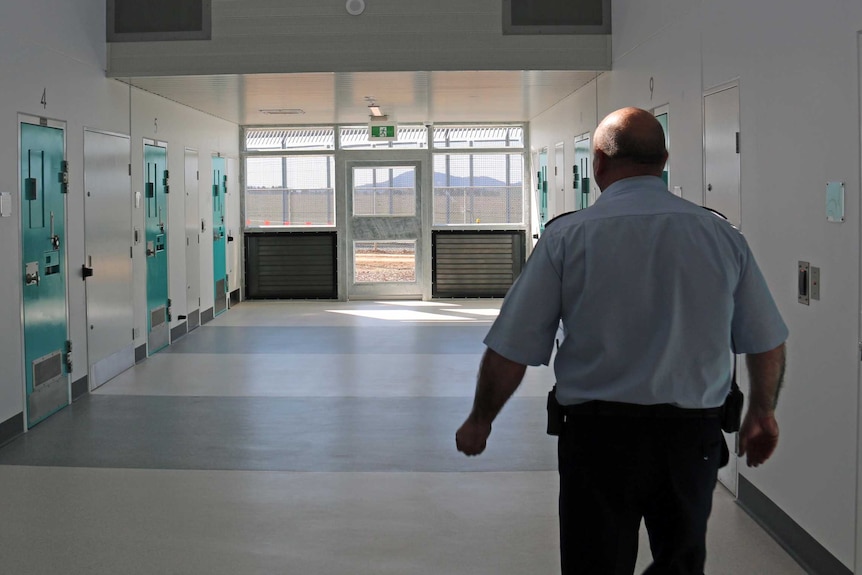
[{"x": 384, "y": 266}]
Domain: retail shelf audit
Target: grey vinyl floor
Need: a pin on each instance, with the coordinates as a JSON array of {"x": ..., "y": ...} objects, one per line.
[{"x": 307, "y": 438}]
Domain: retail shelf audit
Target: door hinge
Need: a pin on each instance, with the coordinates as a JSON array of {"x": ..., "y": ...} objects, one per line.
[
  {"x": 63, "y": 177},
  {"x": 131, "y": 253},
  {"x": 198, "y": 175},
  {"x": 130, "y": 169},
  {"x": 737, "y": 142},
  {"x": 68, "y": 356}
]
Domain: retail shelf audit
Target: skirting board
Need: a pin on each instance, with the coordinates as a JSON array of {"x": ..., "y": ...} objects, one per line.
[
  {"x": 795, "y": 540},
  {"x": 80, "y": 388},
  {"x": 11, "y": 428},
  {"x": 179, "y": 331},
  {"x": 140, "y": 353}
]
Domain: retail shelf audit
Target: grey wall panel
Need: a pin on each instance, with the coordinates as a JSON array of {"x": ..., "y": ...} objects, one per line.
[
  {"x": 273, "y": 36},
  {"x": 476, "y": 264},
  {"x": 291, "y": 265}
]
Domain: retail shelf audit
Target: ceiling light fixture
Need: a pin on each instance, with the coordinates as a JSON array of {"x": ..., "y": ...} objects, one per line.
[
  {"x": 355, "y": 7},
  {"x": 285, "y": 111},
  {"x": 375, "y": 111}
]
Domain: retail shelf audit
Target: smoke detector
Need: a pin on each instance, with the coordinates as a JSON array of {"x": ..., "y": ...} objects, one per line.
[{"x": 355, "y": 7}]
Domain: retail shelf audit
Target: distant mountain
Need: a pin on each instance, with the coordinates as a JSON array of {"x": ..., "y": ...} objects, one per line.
[{"x": 406, "y": 180}]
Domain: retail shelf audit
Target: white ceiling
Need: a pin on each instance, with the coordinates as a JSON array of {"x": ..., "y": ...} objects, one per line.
[{"x": 341, "y": 97}]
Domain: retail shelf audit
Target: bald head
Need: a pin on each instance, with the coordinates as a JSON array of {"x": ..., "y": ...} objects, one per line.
[{"x": 628, "y": 142}]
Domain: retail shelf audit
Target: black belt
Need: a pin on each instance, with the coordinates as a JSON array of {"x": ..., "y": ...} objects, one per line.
[{"x": 658, "y": 411}]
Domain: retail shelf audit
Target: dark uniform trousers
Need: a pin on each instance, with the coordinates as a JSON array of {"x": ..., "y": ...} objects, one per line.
[{"x": 621, "y": 463}]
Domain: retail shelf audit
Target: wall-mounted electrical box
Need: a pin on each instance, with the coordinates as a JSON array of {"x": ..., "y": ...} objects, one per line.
[{"x": 815, "y": 283}]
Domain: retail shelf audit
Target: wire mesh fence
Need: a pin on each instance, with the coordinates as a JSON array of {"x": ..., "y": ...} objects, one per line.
[
  {"x": 478, "y": 205},
  {"x": 289, "y": 207}
]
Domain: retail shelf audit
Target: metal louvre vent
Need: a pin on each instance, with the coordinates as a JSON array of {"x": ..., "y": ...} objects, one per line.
[
  {"x": 158, "y": 316},
  {"x": 471, "y": 137},
  {"x": 476, "y": 264},
  {"x": 290, "y": 139},
  {"x": 47, "y": 368},
  {"x": 291, "y": 266}
]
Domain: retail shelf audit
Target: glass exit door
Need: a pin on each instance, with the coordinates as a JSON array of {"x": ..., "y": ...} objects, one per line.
[{"x": 384, "y": 239}]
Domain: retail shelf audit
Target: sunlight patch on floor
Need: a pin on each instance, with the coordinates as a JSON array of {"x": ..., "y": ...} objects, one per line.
[{"x": 399, "y": 315}]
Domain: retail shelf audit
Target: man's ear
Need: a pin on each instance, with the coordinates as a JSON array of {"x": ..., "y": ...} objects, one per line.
[{"x": 599, "y": 163}]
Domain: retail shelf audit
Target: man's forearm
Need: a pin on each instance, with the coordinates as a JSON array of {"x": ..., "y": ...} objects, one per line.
[
  {"x": 766, "y": 373},
  {"x": 498, "y": 380}
]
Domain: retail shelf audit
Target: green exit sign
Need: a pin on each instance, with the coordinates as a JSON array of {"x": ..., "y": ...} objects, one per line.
[{"x": 382, "y": 131}]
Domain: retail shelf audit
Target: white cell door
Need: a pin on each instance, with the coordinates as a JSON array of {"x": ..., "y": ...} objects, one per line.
[
  {"x": 721, "y": 169},
  {"x": 721, "y": 153},
  {"x": 108, "y": 240},
  {"x": 193, "y": 240}
]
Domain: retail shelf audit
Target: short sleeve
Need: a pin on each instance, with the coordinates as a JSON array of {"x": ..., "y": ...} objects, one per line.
[
  {"x": 757, "y": 324},
  {"x": 530, "y": 315}
]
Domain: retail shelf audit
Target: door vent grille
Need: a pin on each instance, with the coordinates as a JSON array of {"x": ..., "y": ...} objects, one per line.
[
  {"x": 47, "y": 368},
  {"x": 158, "y": 317}
]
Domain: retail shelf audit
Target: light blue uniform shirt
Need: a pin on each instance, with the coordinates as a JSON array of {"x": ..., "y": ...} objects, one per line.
[{"x": 650, "y": 288}]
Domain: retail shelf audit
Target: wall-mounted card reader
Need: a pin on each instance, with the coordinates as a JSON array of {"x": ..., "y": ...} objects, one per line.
[{"x": 804, "y": 281}]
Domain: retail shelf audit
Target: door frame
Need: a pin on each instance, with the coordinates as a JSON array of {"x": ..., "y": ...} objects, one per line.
[
  {"x": 664, "y": 110},
  {"x": 733, "y": 84},
  {"x": 728, "y": 475},
  {"x": 148, "y": 317},
  {"x": 345, "y": 161},
  {"x": 219, "y": 307},
  {"x": 585, "y": 173},
  {"x": 192, "y": 229},
  {"x": 62, "y": 125},
  {"x": 124, "y": 357}
]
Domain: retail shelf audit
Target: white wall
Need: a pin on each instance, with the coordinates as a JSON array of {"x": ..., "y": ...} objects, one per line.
[
  {"x": 797, "y": 69},
  {"x": 157, "y": 119},
  {"x": 58, "y": 46},
  {"x": 49, "y": 46}
]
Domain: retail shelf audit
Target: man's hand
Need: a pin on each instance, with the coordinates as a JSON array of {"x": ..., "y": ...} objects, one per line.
[
  {"x": 758, "y": 436},
  {"x": 472, "y": 436},
  {"x": 498, "y": 379}
]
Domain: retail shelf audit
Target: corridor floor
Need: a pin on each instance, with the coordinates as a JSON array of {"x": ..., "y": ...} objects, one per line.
[{"x": 307, "y": 438}]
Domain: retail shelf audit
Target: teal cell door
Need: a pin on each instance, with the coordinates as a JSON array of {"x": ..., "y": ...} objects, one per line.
[
  {"x": 542, "y": 189},
  {"x": 156, "y": 231},
  {"x": 47, "y": 349},
  {"x": 219, "y": 241},
  {"x": 582, "y": 172}
]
